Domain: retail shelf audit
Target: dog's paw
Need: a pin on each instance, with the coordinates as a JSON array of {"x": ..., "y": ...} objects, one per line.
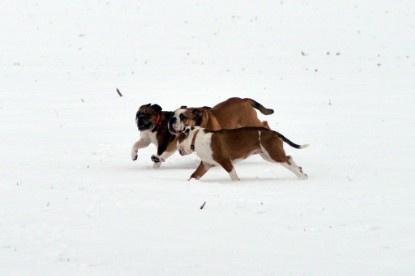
[
  {"x": 155, "y": 159},
  {"x": 134, "y": 155},
  {"x": 194, "y": 176}
]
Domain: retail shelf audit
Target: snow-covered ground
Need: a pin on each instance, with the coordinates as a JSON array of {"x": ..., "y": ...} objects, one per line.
[{"x": 339, "y": 74}]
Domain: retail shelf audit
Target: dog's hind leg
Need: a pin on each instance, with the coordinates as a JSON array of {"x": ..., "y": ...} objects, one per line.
[
  {"x": 290, "y": 165},
  {"x": 228, "y": 166},
  {"x": 275, "y": 154},
  {"x": 233, "y": 175}
]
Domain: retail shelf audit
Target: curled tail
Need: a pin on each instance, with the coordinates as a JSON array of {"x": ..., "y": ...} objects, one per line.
[
  {"x": 288, "y": 141},
  {"x": 260, "y": 107}
]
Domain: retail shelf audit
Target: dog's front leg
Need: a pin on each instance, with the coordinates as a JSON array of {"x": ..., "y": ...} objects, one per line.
[
  {"x": 157, "y": 159},
  {"x": 163, "y": 152},
  {"x": 142, "y": 143},
  {"x": 201, "y": 170}
]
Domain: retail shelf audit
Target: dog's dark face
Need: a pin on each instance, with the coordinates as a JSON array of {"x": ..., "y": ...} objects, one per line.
[
  {"x": 184, "y": 117},
  {"x": 146, "y": 116}
]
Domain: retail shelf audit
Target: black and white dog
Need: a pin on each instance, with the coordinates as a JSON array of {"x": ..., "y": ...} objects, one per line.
[{"x": 152, "y": 124}]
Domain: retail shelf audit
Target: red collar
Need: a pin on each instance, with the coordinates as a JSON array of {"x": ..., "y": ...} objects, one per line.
[
  {"x": 157, "y": 122},
  {"x": 192, "y": 146}
]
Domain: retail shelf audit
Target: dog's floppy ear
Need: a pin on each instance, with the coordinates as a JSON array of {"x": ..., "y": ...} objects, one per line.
[
  {"x": 145, "y": 105},
  {"x": 156, "y": 107},
  {"x": 197, "y": 114}
]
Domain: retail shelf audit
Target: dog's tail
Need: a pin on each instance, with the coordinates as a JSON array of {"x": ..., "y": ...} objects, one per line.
[
  {"x": 289, "y": 142},
  {"x": 260, "y": 107}
]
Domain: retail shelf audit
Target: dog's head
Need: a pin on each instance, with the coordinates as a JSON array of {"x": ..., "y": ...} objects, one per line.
[
  {"x": 184, "y": 140},
  {"x": 184, "y": 117},
  {"x": 148, "y": 116}
]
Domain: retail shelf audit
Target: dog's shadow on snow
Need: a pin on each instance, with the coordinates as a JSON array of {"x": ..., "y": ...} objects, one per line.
[
  {"x": 248, "y": 180},
  {"x": 214, "y": 176},
  {"x": 169, "y": 167}
]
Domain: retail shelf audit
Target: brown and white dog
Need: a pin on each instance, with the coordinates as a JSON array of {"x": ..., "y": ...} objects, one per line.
[
  {"x": 230, "y": 114},
  {"x": 152, "y": 124},
  {"x": 226, "y": 146}
]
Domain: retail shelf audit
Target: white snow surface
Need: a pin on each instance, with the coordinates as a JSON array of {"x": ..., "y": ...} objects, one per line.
[{"x": 340, "y": 76}]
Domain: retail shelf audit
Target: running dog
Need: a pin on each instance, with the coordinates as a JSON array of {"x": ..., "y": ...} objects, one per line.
[
  {"x": 226, "y": 146},
  {"x": 152, "y": 125}
]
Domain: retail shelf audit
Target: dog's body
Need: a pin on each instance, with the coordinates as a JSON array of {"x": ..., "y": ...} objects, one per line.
[
  {"x": 152, "y": 124},
  {"x": 224, "y": 147},
  {"x": 230, "y": 114}
]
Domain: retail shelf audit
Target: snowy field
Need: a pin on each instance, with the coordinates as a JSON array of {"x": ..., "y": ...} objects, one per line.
[{"x": 340, "y": 76}]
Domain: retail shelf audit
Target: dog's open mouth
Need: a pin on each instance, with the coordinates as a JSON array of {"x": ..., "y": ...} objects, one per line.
[
  {"x": 173, "y": 131},
  {"x": 142, "y": 127}
]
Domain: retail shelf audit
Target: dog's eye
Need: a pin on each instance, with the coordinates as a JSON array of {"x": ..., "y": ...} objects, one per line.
[{"x": 182, "y": 117}]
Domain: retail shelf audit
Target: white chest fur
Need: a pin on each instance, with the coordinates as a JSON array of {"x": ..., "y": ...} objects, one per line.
[
  {"x": 203, "y": 147},
  {"x": 149, "y": 137}
]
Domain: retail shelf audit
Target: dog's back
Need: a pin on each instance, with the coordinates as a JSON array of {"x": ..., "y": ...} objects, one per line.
[
  {"x": 241, "y": 142},
  {"x": 237, "y": 112}
]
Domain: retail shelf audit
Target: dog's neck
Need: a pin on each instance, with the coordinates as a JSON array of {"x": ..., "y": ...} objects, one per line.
[
  {"x": 158, "y": 119},
  {"x": 192, "y": 146}
]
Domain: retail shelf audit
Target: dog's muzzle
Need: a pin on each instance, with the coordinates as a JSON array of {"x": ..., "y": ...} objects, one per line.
[
  {"x": 171, "y": 124},
  {"x": 141, "y": 123}
]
